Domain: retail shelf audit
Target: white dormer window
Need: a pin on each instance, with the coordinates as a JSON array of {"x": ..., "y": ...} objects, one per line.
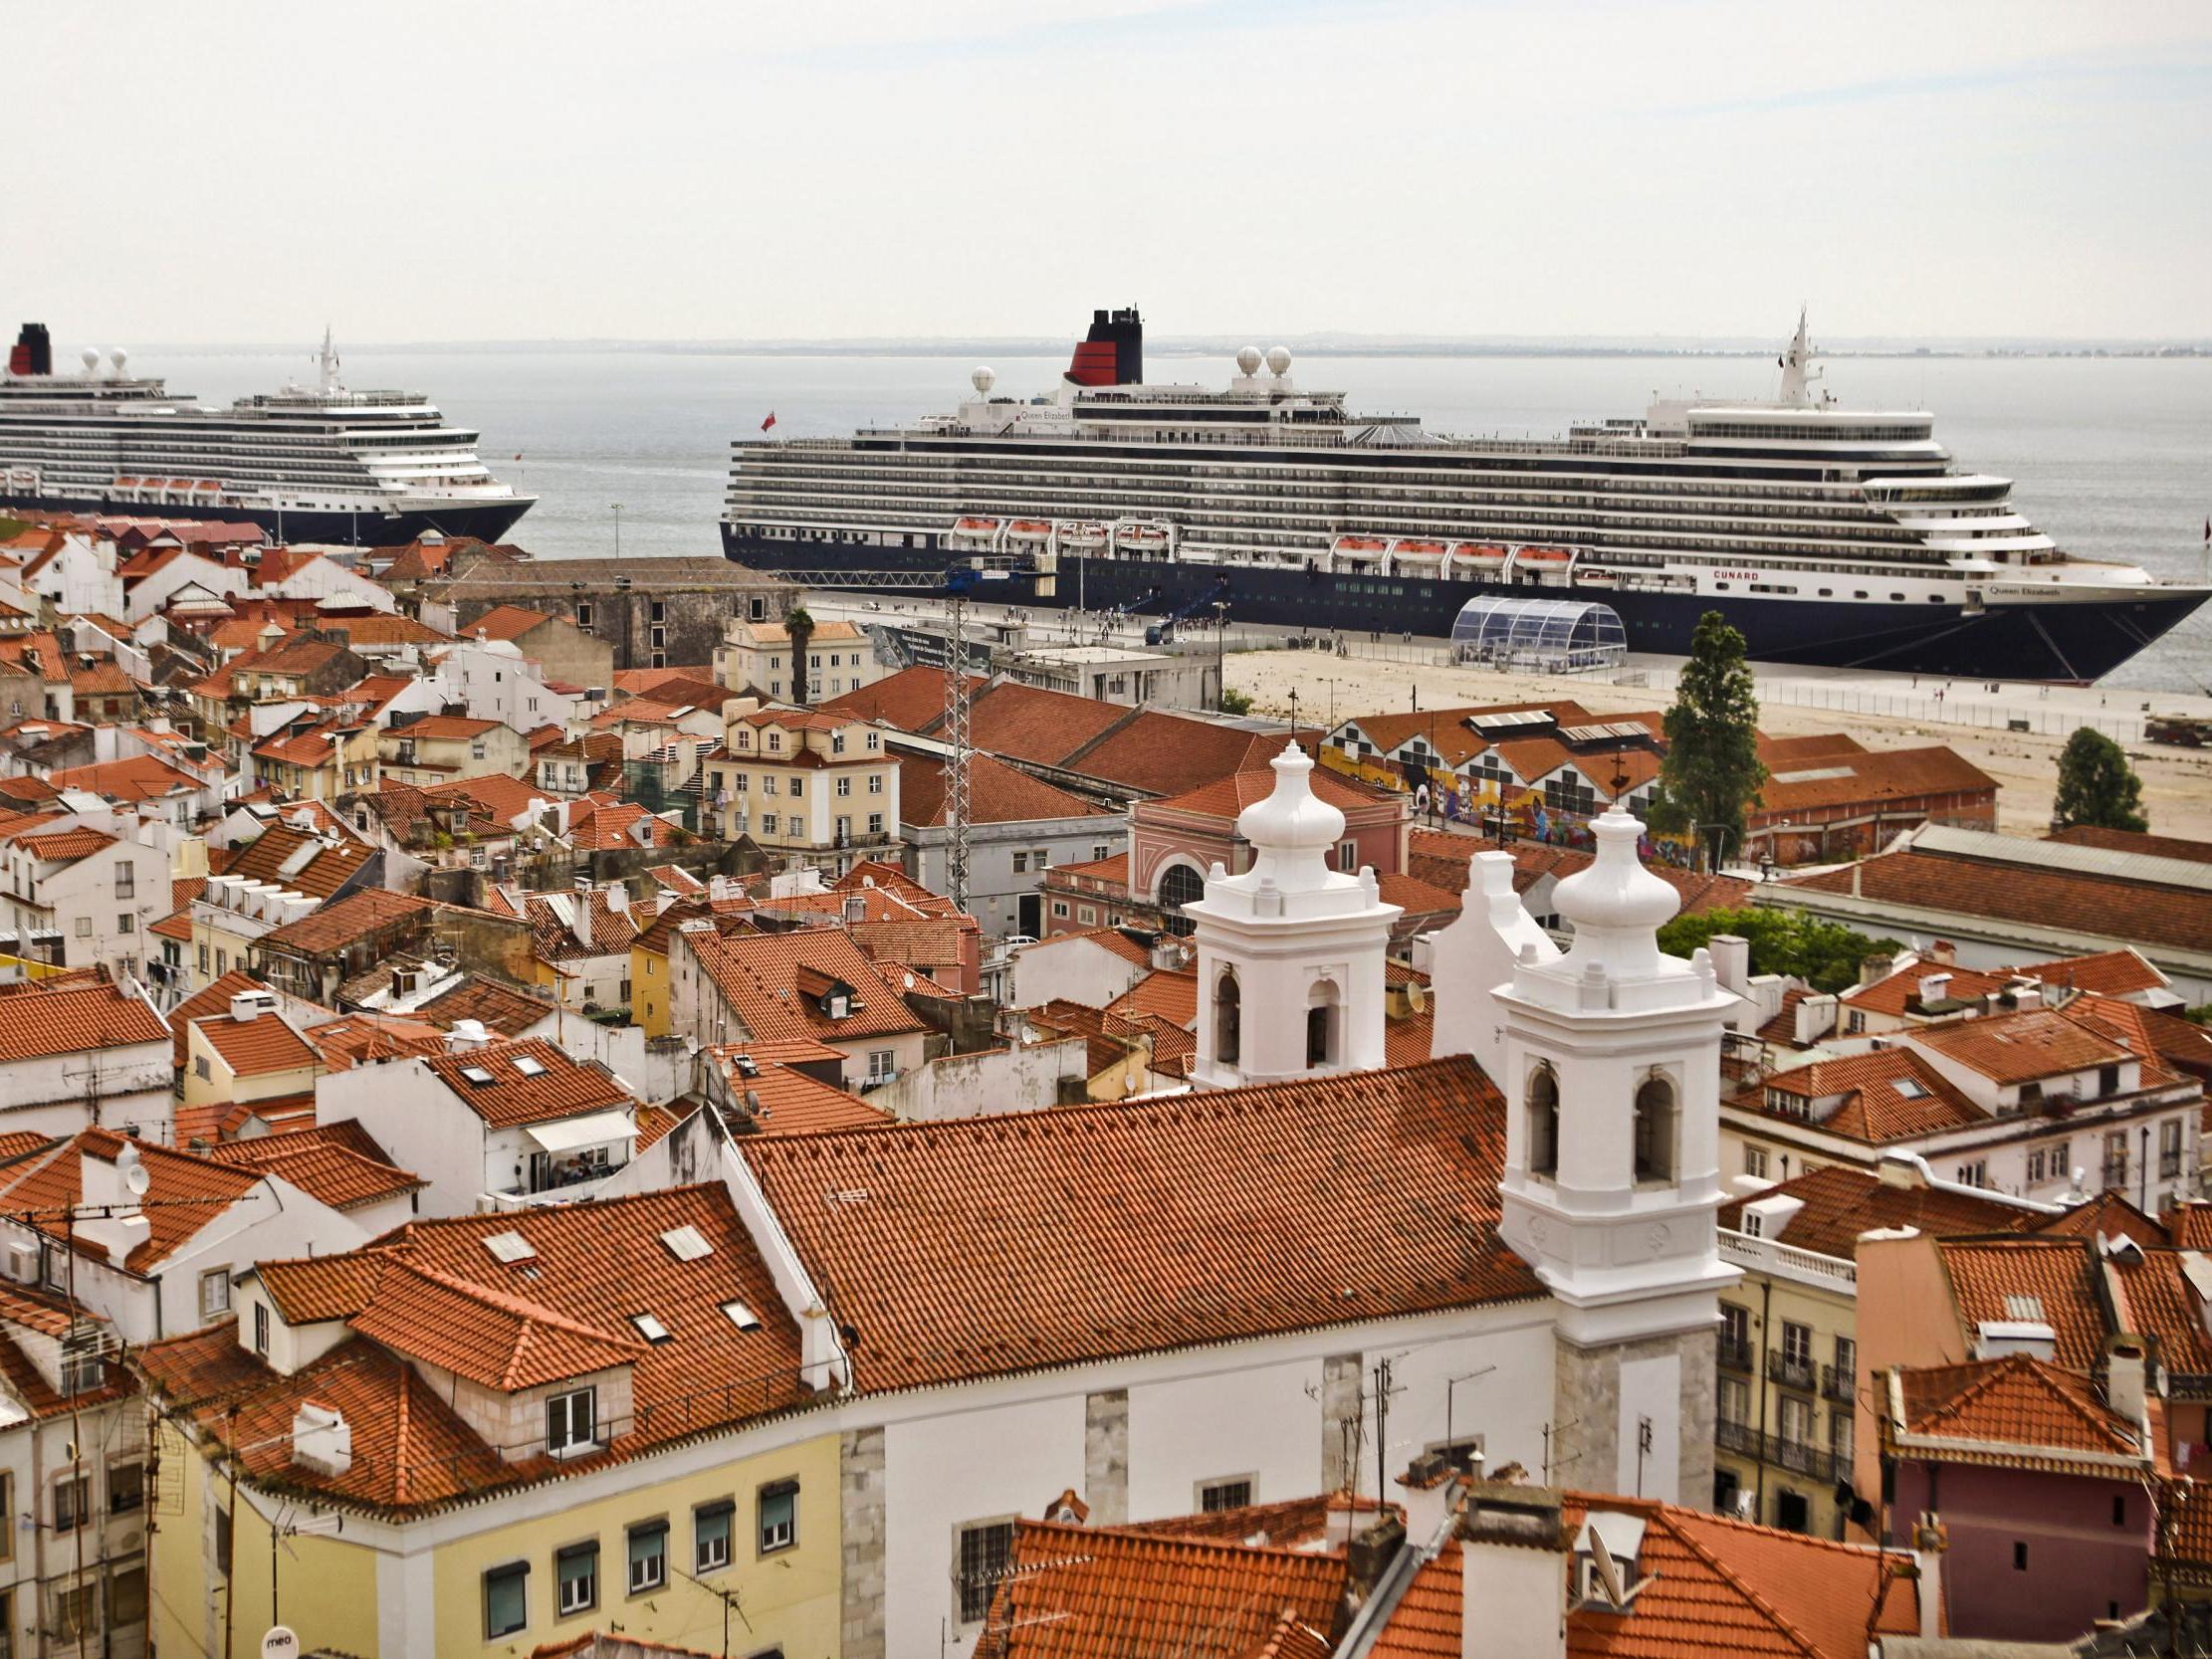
[{"x": 571, "y": 1422}]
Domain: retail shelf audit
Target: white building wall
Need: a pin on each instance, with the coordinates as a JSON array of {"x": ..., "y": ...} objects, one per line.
[
  {"x": 422, "y": 1128},
  {"x": 1256, "y": 1422},
  {"x": 1080, "y": 969}
]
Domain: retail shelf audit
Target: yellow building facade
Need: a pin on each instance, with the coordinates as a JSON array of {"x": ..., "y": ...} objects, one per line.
[{"x": 385, "y": 1589}]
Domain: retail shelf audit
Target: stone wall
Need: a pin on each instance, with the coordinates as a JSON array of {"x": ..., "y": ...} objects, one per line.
[
  {"x": 1588, "y": 1418},
  {"x": 860, "y": 1498},
  {"x": 1106, "y": 1456},
  {"x": 696, "y": 598}
]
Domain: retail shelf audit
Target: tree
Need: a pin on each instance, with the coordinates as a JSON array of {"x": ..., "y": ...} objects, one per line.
[
  {"x": 1234, "y": 701},
  {"x": 2096, "y": 785},
  {"x": 800, "y": 628},
  {"x": 1825, "y": 954},
  {"x": 1710, "y": 775}
]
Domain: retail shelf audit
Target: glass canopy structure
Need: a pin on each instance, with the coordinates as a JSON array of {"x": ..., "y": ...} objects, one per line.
[{"x": 1539, "y": 636}]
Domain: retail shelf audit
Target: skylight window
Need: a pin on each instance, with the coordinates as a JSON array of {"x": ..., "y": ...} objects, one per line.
[
  {"x": 2027, "y": 1308},
  {"x": 744, "y": 1318},
  {"x": 1910, "y": 1088},
  {"x": 510, "y": 1246},
  {"x": 651, "y": 1328},
  {"x": 687, "y": 1243},
  {"x": 529, "y": 1067},
  {"x": 476, "y": 1075}
]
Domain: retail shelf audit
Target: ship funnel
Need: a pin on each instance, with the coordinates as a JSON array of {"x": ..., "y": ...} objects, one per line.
[
  {"x": 34, "y": 351},
  {"x": 1113, "y": 352}
]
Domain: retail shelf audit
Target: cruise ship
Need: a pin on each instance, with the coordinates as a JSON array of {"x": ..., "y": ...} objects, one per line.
[
  {"x": 320, "y": 462},
  {"x": 1828, "y": 536}
]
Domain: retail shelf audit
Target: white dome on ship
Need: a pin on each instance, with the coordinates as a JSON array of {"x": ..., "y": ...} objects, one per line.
[
  {"x": 90, "y": 358},
  {"x": 1278, "y": 360},
  {"x": 119, "y": 357},
  {"x": 1248, "y": 360},
  {"x": 982, "y": 380}
]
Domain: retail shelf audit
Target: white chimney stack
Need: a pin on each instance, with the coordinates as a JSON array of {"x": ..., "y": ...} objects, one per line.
[
  {"x": 1514, "y": 1583},
  {"x": 322, "y": 1438}
]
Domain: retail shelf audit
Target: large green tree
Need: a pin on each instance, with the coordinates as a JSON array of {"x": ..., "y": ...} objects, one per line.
[
  {"x": 2096, "y": 785},
  {"x": 1711, "y": 774},
  {"x": 1825, "y": 954}
]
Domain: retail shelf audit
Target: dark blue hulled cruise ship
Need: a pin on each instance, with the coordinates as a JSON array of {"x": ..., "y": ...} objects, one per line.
[
  {"x": 318, "y": 462},
  {"x": 1828, "y": 536}
]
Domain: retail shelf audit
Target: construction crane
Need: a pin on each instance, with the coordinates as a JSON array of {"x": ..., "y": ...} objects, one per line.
[{"x": 957, "y": 583}]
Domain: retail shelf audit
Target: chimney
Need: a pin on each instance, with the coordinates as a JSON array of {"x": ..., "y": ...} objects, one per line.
[
  {"x": 618, "y": 899},
  {"x": 1943, "y": 951},
  {"x": 2124, "y": 1377},
  {"x": 1875, "y": 969},
  {"x": 247, "y": 1007},
  {"x": 1731, "y": 954},
  {"x": 1934, "y": 987},
  {"x": 1902, "y": 1169},
  {"x": 1995, "y": 1339},
  {"x": 856, "y": 909},
  {"x": 466, "y": 1037},
  {"x": 1930, "y": 1541},
  {"x": 1368, "y": 1557},
  {"x": 1166, "y": 952},
  {"x": 1514, "y": 1585},
  {"x": 322, "y": 1438},
  {"x": 1816, "y": 1018}
]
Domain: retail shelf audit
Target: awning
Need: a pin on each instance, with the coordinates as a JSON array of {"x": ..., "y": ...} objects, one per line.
[{"x": 592, "y": 1130}]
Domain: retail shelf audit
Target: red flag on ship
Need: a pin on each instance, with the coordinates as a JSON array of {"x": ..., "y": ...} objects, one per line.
[{"x": 770, "y": 421}]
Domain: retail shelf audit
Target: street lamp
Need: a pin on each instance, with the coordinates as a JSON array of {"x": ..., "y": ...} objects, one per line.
[{"x": 617, "y": 529}]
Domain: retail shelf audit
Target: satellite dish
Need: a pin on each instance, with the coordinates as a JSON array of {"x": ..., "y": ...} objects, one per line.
[
  {"x": 132, "y": 1169},
  {"x": 280, "y": 1644},
  {"x": 1416, "y": 996},
  {"x": 1601, "y": 1561}
]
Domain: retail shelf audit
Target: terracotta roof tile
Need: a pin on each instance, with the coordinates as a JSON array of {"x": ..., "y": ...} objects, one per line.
[
  {"x": 791, "y": 1101},
  {"x": 2127, "y": 841},
  {"x": 1090, "y": 1231},
  {"x": 2023, "y": 1047},
  {"x": 1887, "y": 1095},
  {"x": 2091, "y": 905},
  {"x": 1841, "y": 1203},
  {"x": 1171, "y": 994},
  {"x": 2121, "y": 972},
  {"x": 997, "y": 793},
  {"x": 298, "y": 861},
  {"x": 912, "y": 700},
  {"x": 1088, "y": 1592},
  {"x": 560, "y": 1087},
  {"x": 757, "y": 975},
  {"x": 2009, "y": 1404},
  {"x": 490, "y": 1336},
  {"x": 37, "y": 1023},
  {"x": 186, "y": 1192},
  {"x": 320, "y": 1166},
  {"x": 2048, "y": 1280},
  {"x": 342, "y": 920},
  {"x": 257, "y": 1047}
]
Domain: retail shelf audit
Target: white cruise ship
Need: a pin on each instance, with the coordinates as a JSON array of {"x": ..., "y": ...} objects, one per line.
[
  {"x": 320, "y": 462},
  {"x": 1828, "y": 536}
]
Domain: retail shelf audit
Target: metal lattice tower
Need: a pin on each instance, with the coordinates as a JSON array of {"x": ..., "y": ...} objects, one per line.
[{"x": 956, "y": 763}]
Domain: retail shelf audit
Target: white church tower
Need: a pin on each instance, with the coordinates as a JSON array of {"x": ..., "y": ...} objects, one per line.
[
  {"x": 1291, "y": 952},
  {"x": 1609, "y": 1059}
]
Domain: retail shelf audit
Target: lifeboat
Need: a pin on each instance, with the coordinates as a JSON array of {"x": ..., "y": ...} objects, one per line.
[
  {"x": 1544, "y": 555},
  {"x": 1359, "y": 546},
  {"x": 207, "y": 483},
  {"x": 1596, "y": 578},
  {"x": 1420, "y": 552},
  {"x": 127, "y": 483},
  {"x": 975, "y": 529},
  {"x": 1031, "y": 530},
  {"x": 1479, "y": 556},
  {"x": 1080, "y": 534},
  {"x": 1141, "y": 535}
]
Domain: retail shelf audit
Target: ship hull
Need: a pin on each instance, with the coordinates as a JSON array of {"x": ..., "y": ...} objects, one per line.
[
  {"x": 2074, "y": 643},
  {"x": 484, "y": 521}
]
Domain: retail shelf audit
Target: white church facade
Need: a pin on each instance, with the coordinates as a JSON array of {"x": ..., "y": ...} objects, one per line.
[{"x": 1302, "y": 1274}]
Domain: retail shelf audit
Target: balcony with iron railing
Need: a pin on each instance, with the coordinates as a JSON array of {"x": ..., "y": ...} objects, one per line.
[
  {"x": 2115, "y": 1173},
  {"x": 1838, "y": 1384},
  {"x": 1735, "y": 1354},
  {"x": 1798, "y": 1456},
  {"x": 1792, "y": 1372}
]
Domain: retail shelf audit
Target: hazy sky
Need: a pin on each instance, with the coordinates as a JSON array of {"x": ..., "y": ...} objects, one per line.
[{"x": 468, "y": 169}]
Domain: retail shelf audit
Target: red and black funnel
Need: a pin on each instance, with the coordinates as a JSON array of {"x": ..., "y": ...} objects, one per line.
[
  {"x": 1113, "y": 352},
  {"x": 34, "y": 351}
]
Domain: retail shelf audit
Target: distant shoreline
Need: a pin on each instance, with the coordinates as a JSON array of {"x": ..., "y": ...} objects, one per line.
[{"x": 1333, "y": 347}]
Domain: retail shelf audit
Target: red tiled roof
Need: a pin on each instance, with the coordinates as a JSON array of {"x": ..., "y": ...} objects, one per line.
[
  {"x": 490, "y": 1336},
  {"x": 322, "y": 1165},
  {"x": 37, "y": 1023},
  {"x": 65, "y": 846},
  {"x": 563, "y": 1088},
  {"x": 141, "y": 777},
  {"x": 2119, "y": 972},
  {"x": 758, "y": 977},
  {"x": 2091, "y": 905},
  {"x": 2009, "y": 1404},
  {"x": 1084, "y": 1232},
  {"x": 257, "y": 1047},
  {"x": 912, "y": 700},
  {"x": 500, "y": 1009},
  {"x": 342, "y": 920},
  {"x": 1093, "y": 1592},
  {"x": 186, "y": 1192},
  {"x": 791, "y": 1101},
  {"x": 2020, "y": 1048},
  {"x": 318, "y": 866},
  {"x": 1994, "y": 1279},
  {"x": 1841, "y": 1203},
  {"x": 997, "y": 793},
  {"x": 507, "y": 622},
  {"x": 1171, "y": 994},
  {"x": 1878, "y": 1105}
]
